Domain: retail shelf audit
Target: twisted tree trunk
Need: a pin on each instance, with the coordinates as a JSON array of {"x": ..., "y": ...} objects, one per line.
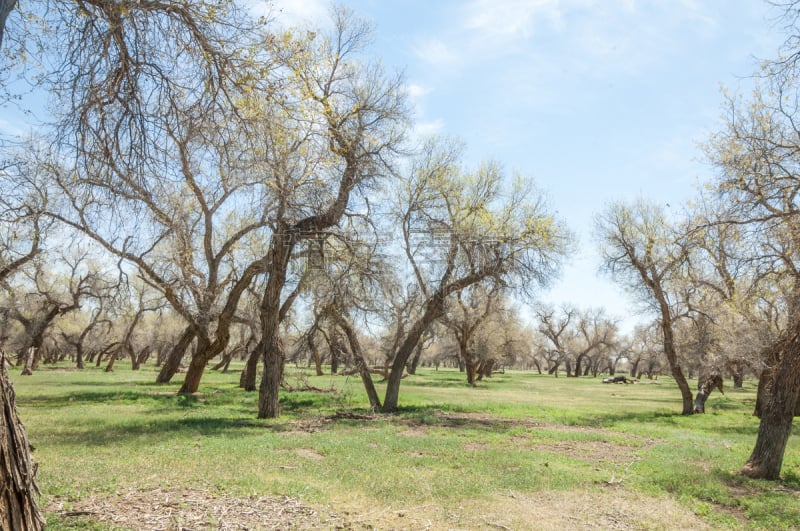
[{"x": 18, "y": 508}]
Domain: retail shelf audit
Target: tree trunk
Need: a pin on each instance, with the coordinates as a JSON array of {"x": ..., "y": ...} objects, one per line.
[
  {"x": 578, "y": 366},
  {"x": 776, "y": 417},
  {"x": 200, "y": 359},
  {"x": 412, "y": 367},
  {"x": 247, "y": 380},
  {"x": 487, "y": 367},
  {"x": 434, "y": 310},
  {"x": 173, "y": 362},
  {"x": 317, "y": 357},
  {"x": 111, "y": 359},
  {"x": 6, "y": 6},
  {"x": 29, "y": 354},
  {"x": 672, "y": 356},
  {"x": 269, "y": 391},
  {"x": 18, "y": 508},
  {"x": 361, "y": 364},
  {"x": 472, "y": 372},
  {"x": 132, "y": 355},
  {"x": 225, "y": 361},
  {"x": 705, "y": 385},
  {"x": 79, "y": 356},
  {"x": 191, "y": 383},
  {"x": 334, "y": 360}
]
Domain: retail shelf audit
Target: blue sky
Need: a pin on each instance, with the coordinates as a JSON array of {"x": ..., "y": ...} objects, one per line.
[{"x": 597, "y": 100}]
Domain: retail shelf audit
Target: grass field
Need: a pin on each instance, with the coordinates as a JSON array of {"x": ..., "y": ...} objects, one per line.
[{"x": 520, "y": 451}]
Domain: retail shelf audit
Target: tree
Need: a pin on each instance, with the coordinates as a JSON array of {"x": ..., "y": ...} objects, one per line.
[
  {"x": 641, "y": 251},
  {"x": 465, "y": 317},
  {"x": 183, "y": 222},
  {"x": 18, "y": 507},
  {"x": 756, "y": 154},
  {"x": 108, "y": 51},
  {"x": 349, "y": 121},
  {"x": 554, "y": 326},
  {"x": 139, "y": 89},
  {"x": 595, "y": 337},
  {"x": 645, "y": 351},
  {"x": 459, "y": 230},
  {"x": 48, "y": 296}
]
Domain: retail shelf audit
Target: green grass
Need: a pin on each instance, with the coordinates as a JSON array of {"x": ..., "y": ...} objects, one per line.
[{"x": 518, "y": 434}]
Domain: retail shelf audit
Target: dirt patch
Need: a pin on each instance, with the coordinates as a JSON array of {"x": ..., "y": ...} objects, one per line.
[
  {"x": 413, "y": 432},
  {"x": 309, "y": 453},
  {"x": 595, "y": 509},
  {"x": 590, "y": 451},
  {"x": 476, "y": 447},
  {"x": 188, "y": 509}
]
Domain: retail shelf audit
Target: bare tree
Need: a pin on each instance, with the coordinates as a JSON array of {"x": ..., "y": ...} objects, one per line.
[
  {"x": 471, "y": 310},
  {"x": 48, "y": 296},
  {"x": 554, "y": 326},
  {"x": 756, "y": 153},
  {"x": 351, "y": 118},
  {"x": 641, "y": 251},
  {"x": 459, "y": 231}
]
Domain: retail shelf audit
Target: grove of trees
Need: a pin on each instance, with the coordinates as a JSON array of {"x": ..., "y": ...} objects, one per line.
[{"x": 211, "y": 185}]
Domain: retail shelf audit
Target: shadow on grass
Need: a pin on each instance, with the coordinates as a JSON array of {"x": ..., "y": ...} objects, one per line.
[
  {"x": 153, "y": 430},
  {"x": 440, "y": 381},
  {"x": 165, "y": 398}
]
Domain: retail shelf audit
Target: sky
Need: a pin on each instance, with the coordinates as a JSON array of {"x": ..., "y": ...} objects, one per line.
[{"x": 596, "y": 100}]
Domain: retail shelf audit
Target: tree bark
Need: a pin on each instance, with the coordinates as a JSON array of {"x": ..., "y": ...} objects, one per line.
[
  {"x": 316, "y": 356},
  {"x": 672, "y": 355},
  {"x": 111, "y": 359},
  {"x": 433, "y": 310},
  {"x": 173, "y": 362},
  {"x": 18, "y": 508},
  {"x": 27, "y": 370},
  {"x": 79, "y": 356},
  {"x": 269, "y": 391},
  {"x": 777, "y": 415},
  {"x": 412, "y": 367},
  {"x": 705, "y": 385},
  {"x": 247, "y": 380},
  {"x": 6, "y": 6},
  {"x": 270, "y": 314},
  {"x": 361, "y": 364},
  {"x": 191, "y": 383}
]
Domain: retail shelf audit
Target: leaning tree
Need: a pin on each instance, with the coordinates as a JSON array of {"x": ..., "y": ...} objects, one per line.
[
  {"x": 645, "y": 253},
  {"x": 459, "y": 229}
]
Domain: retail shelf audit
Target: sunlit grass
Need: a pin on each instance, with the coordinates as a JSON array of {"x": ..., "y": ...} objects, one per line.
[{"x": 519, "y": 434}]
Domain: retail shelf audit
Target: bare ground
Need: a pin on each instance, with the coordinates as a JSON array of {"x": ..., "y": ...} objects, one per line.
[{"x": 194, "y": 509}]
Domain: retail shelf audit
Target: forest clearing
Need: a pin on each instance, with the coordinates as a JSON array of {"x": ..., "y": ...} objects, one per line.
[{"x": 519, "y": 451}]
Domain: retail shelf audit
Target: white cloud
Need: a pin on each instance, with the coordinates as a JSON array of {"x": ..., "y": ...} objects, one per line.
[
  {"x": 503, "y": 20},
  {"x": 428, "y": 129},
  {"x": 415, "y": 91},
  {"x": 436, "y": 52},
  {"x": 292, "y": 12},
  {"x": 12, "y": 128}
]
